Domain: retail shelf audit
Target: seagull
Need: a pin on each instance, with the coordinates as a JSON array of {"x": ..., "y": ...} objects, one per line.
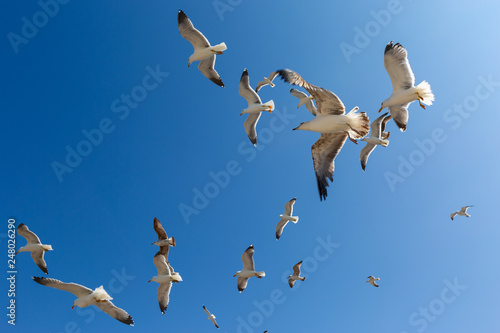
[
  {"x": 286, "y": 217},
  {"x": 165, "y": 277},
  {"x": 98, "y": 297},
  {"x": 34, "y": 246},
  {"x": 461, "y": 212},
  {"x": 255, "y": 107},
  {"x": 333, "y": 124},
  {"x": 248, "y": 269},
  {"x": 377, "y": 137},
  {"x": 267, "y": 81},
  {"x": 203, "y": 51},
  {"x": 403, "y": 85},
  {"x": 372, "y": 280},
  {"x": 210, "y": 316},
  {"x": 296, "y": 275},
  {"x": 304, "y": 99},
  {"x": 163, "y": 240}
]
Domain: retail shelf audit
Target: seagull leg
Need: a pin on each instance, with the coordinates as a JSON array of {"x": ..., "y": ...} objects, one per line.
[
  {"x": 349, "y": 136},
  {"x": 419, "y": 99}
]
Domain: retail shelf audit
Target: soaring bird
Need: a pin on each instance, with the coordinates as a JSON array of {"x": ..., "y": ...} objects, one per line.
[
  {"x": 34, "y": 246},
  {"x": 248, "y": 270},
  {"x": 296, "y": 275},
  {"x": 266, "y": 81},
  {"x": 162, "y": 235},
  {"x": 403, "y": 90},
  {"x": 304, "y": 100},
  {"x": 210, "y": 316},
  {"x": 378, "y": 137},
  {"x": 286, "y": 217},
  {"x": 203, "y": 51},
  {"x": 372, "y": 279},
  {"x": 165, "y": 278},
  {"x": 255, "y": 107},
  {"x": 461, "y": 212},
  {"x": 333, "y": 124},
  {"x": 98, "y": 297}
]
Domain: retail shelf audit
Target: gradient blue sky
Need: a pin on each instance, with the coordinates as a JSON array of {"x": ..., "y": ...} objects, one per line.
[{"x": 70, "y": 77}]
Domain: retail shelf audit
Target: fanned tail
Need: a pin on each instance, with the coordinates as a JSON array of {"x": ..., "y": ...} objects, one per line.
[
  {"x": 359, "y": 123},
  {"x": 220, "y": 47},
  {"x": 425, "y": 92}
]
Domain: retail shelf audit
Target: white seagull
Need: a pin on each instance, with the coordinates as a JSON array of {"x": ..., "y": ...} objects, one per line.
[
  {"x": 98, "y": 297},
  {"x": 403, "y": 85},
  {"x": 248, "y": 270},
  {"x": 333, "y": 124},
  {"x": 286, "y": 217},
  {"x": 165, "y": 278},
  {"x": 210, "y": 316},
  {"x": 162, "y": 235},
  {"x": 461, "y": 212},
  {"x": 267, "y": 81},
  {"x": 203, "y": 51},
  {"x": 372, "y": 279},
  {"x": 304, "y": 99},
  {"x": 255, "y": 107},
  {"x": 34, "y": 246},
  {"x": 296, "y": 275},
  {"x": 378, "y": 136}
]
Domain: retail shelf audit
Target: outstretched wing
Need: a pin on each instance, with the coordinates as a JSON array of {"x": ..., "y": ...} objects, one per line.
[
  {"x": 397, "y": 66},
  {"x": 115, "y": 312},
  {"x": 246, "y": 91},
  {"x": 189, "y": 32},
  {"x": 76, "y": 289},
  {"x": 30, "y": 236},
  {"x": 206, "y": 66}
]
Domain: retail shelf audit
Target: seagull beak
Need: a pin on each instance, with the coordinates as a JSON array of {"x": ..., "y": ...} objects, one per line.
[
  {"x": 189, "y": 64},
  {"x": 149, "y": 281},
  {"x": 234, "y": 276},
  {"x": 296, "y": 128},
  {"x": 17, "y": 252},
  {"x": 72, "y": 306},
  {"x": 381, "y": 107},
  {"x": 241, "y": 113}
]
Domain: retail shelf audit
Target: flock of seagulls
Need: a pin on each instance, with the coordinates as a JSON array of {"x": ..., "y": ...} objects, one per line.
[{"x": 330, "y": 120}]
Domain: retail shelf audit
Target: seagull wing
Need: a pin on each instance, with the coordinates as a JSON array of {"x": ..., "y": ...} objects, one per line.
[
  {"x": 373, "y": 283},
  {"x": 246, "y": 91},
  {"x": 400, "y": 115},
  {"x": 38, "y": 259},
  {"x": 206, "y": 66},
  {"x": 376, "y": 126},
  {"x": 251, "y": 127},
  {"x": 159, "y": 229},
  {"x": 296, "y": 268},
  {"x": 215, "y": 323},
  {"x": 30, "y": 236},
  {"x": 260, "y": 85},
  {"x": 289, "y": 207},
  {"x": 160, "y": 261},
  {"x": 279, "y": 228},
  {"x": 464, "y": 209},
  {"x": 76, "y": 289},
  {"x": 206, "y": 310},
  {"x": 189, "y": 32},
  {"x": 247, "y": 258},
  {"x": 241, "y": 282},
  {"x": 323, "y": 153},
  {"x": 327, "y": 101},
  {"x": 397, "y": 66},
  {"x": 115, "y": 312},
  {"x": 291, "y": 282},
  {"x": 453, "y": 215},
  {"x": 365, "y": 153},
  {"x": 385, "y": 135},
  {"x": 164, "y": 295}
]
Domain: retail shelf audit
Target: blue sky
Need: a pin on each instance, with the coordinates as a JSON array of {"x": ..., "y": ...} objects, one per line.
[{"x": 72, "y": 76}]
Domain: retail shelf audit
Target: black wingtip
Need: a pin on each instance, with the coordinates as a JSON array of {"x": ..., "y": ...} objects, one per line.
[
  {"x": 38, "y": 279},
  {"x": 128, "y": 321},
  {"x": 323, "y": 193}
]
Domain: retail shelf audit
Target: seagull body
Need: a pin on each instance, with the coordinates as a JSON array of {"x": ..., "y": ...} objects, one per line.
[
  {"x": 377, "y": 138},
  {"x": 267, "y": 81},
  {"x": 203, "y": 51},
  {"x": 34, "y": 246},
  {"x": 335, "y": 127},
  {"x": 286, "y": 217},
  {"x": 210, "y": 316},
  {"x": 255, "y": 107},
  {"x": 304, "y": 100},
  {"x": 248, "y": 270},
  {"x": 403, "y": 85},
  {"x": 86, "y": 297},
  {"x": 461, "y": 212},
  {"x": 163, "y": 240},
  {"x": 372, "y": 279},
  {"x": 296, "y": 275}
]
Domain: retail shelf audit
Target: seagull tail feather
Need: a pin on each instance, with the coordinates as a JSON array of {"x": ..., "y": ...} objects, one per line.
[
  {"x": 219, "y": 47},
  {"x": 424, "y": 91},
  {"x": 359, "y": 122}
]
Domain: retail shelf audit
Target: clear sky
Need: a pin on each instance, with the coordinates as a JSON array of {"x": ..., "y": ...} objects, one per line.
[{"x": 105, "y": 127}]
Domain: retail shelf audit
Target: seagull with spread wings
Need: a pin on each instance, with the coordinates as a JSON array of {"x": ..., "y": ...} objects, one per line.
[
  {"x": 266, "y": 81},
  {"x": 165, "y": 278},
  {"x": 304, "y": 100},
  {"x": 404, "y": 91},
  {"x": 286, "y": 217},
  {"x": 34, "y": 246},
  {"x": 333, "y": 124},
  {"x": 372, "y": 279},
  {"x": 461, "y": 212},
  {"x": 378, "y": 137},
  {"x": 255, "y": 107},
  {"x": 248, "y": 270},
  {"x": 86, "y": 296},
  {"x": 296, "y": 275},
  {"x": 203, "y": 51},
  {"x": 210, "y": 316},
  {"x": 163, "y": 240}
]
